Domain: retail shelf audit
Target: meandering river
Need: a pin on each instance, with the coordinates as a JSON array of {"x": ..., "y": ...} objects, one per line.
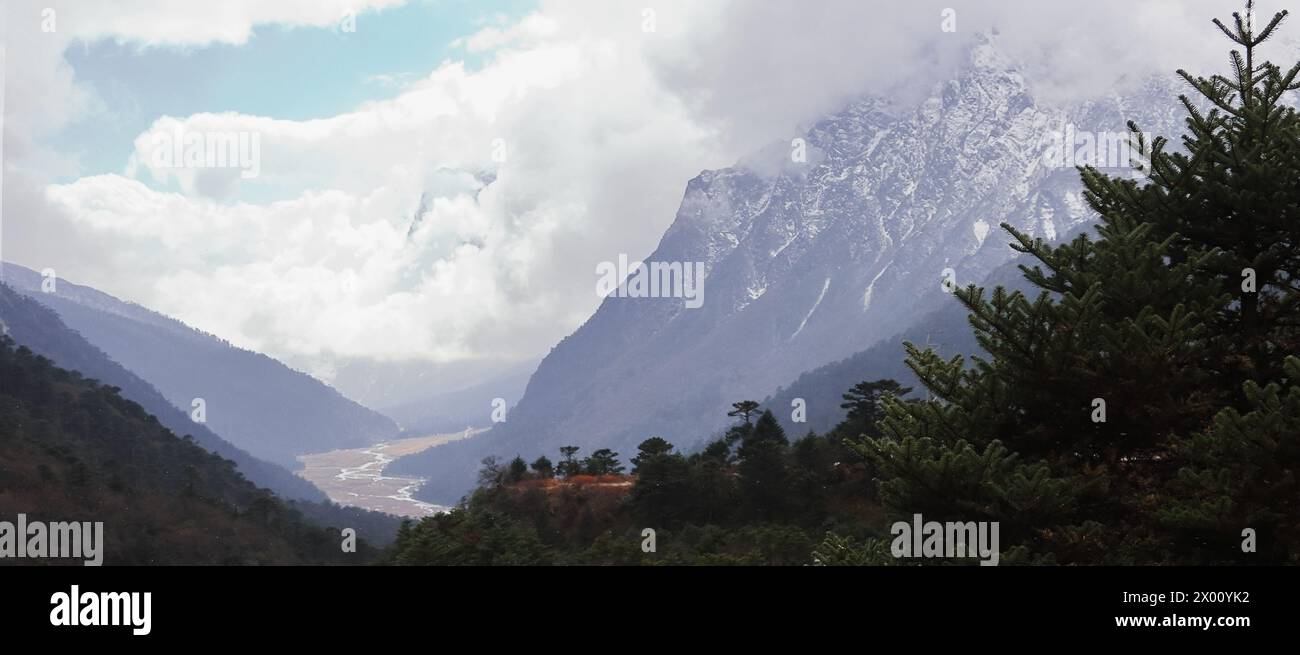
[{"x": 356, "y": 476}]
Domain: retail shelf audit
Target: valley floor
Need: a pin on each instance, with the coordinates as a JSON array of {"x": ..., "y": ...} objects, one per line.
[{"x": 356, "y": 477}]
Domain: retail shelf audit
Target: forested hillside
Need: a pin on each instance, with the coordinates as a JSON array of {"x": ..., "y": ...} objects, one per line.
[
  {"x": 72, "y": 449},
  {"x": 39, "y": 328}
]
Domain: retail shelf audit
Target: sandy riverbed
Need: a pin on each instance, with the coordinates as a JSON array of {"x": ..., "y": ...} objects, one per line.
[{"x": 356, "y": 476}]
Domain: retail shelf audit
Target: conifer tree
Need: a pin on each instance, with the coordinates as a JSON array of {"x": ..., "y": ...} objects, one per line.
[
  {"x": 603, "y": 462},
  {"x": 762, "y": 468},
  {"x": 864, "y": 402},
  {"x": 543, "y": 467},
  {"x": 569, "y": 466},
  {"x": 744, "y": 409},
  {"x": 1230, "y": 196},
  {"x": 1140, "y": 397},
  {"x": 662, "y": 493},
  {"x": 1237, "y": 500},
  {"x": 517, "y": 470},
  {"x": 650, "y": 450}
]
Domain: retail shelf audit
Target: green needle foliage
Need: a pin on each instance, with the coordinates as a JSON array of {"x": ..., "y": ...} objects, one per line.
[{"x": 1138, "y": 409}]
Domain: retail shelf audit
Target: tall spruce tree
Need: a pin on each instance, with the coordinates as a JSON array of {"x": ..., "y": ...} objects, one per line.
[
  {"x": 1232, "y": 195},
  {"x": 864, "y": 402},
  {"x": 1090, "y": 431},
  {"x": 762, "y": 468}
]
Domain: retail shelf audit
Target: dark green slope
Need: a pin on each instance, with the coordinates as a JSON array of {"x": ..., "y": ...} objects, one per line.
[
  {"x": 37, "y": 327},
  {"x": 72, "y": 449}
]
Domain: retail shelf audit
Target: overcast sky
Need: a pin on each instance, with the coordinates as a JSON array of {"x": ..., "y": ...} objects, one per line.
[{"x": 549, "y": 136}]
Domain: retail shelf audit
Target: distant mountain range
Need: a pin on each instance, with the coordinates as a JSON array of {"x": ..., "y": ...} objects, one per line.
[
  {"x": 810, "y": 263},
  {"x": 413, "y": 391},
  {"x": 72, "y": 449},
  {"x": 453, "y": 411},
  {"x": 254, "y": 402},
  {"x": 37, "y": 327}
]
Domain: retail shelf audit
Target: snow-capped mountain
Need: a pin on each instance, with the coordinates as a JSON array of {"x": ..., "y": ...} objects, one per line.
[{"x": 809, "y": 262}]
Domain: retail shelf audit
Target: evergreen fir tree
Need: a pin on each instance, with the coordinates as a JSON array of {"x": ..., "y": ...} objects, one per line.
[
  {"x": 1087, "y": 431},
  {"x": 865, "y": 404},
  {"x": 517, "y": 470},
  {"x": 649, "y": 451},
  {"x": 1240, "y": 479},
  {"x": 569, "y": 466},
  {"x": 762, "y": 468},
  {"x": 543, "y": 467},
  {"x": 744, "y": 409},
  {"x": 603, "y": 462},
  {"x": 1231, "y": 198},
  {"x": 662, "y": 494}
]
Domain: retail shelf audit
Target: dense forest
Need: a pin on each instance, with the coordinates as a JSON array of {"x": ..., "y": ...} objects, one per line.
[
  {"x": 750, "y": 497},
  {"x": 72, "y": 449},
  {"x": 1140, "y": 406}
]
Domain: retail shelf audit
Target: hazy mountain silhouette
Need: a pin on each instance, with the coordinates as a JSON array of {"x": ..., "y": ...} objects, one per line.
[
  {"x": 37, "y": 327},
  {"x": 253, "y": 401}
]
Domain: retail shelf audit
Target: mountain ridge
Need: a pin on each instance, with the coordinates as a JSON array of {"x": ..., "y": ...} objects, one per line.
[
  {"x": 39, "y": 328},
  {"x": 253, "y": 401},
  {"x": 809, "y": 263}
]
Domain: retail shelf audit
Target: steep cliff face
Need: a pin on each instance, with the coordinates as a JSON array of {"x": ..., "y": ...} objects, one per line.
[{"x": 809, "y": 262}]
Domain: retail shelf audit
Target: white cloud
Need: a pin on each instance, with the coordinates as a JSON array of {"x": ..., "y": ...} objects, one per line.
[
  {"x": 531, "y": 29},
  {"x": 449, "y": 120},
  {"x": 194, "y": 23},
  {"x": 602, "y": 125},
  {"x": 501, "y": 266},
  {"x": 41, "y": 91}
]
